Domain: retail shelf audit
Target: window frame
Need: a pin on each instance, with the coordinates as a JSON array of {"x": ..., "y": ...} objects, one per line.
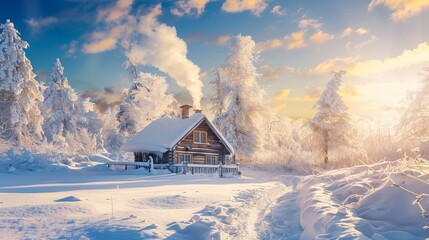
[
  {"x": 199, "y": 133},
  {"x": 183, "y": 155},
  {"x": 216, "y": 159}
]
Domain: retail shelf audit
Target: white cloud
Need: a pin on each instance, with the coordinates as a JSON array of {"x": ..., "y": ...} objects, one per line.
[
  {"x": 402, "y": 9},
  {"x": 306, "y": 23},
  {"x": 295, "y": 40},
  {"x": 189, "y": 7},
  {"x": 418, "y": 56},
  {"x": 37, "y": 24},
  {"x": 361, "y": 31},
  {"x": 278, "y": 10},
  {"x": 101, "y": 45},
  {"x": 307, "y": 26},
  {"x": 223, "y": 39},
  {"x": 269, "y": 45},
  {"x": 118, "y": 28},
  {"x": 115, "y": 12},
  {"x": 71, "y": 49},
  {"x": 320, "y": 37},
  {"x": 346, "y": 32},
  {"x": 366, "y": 42},
  {"x": 254, "y": 6}
]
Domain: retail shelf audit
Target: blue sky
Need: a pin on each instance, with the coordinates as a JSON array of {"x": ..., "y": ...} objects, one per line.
[{"x": 381, "y": 43}]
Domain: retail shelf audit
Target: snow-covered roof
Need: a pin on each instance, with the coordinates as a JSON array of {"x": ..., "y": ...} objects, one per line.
[{"x": 164, "y": 133}]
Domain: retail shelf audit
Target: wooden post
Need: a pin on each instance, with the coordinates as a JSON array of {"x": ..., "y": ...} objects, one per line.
[{"x": 126, "y": 166}]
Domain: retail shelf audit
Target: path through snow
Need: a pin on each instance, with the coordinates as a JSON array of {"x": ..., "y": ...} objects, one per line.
[{"x": 237, "y": 219}]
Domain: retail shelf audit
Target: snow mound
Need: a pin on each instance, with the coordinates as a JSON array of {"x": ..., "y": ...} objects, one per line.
[
  {"x": 11, "y": 161},
  {"x": 68, "y": 199},
  {"x": 176, "y": 201},
  {"x": 366, "y": 202}
]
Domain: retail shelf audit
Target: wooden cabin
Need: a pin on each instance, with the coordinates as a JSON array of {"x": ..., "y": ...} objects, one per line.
[{"x": 193, "y": 139}]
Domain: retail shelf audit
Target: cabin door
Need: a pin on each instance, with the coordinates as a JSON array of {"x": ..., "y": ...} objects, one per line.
[{"x": 185, "y": 157}]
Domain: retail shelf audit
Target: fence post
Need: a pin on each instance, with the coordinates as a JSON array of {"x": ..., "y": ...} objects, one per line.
[
  {"x": 220, "y": 171},
  {"x": 184, "y": 167}
]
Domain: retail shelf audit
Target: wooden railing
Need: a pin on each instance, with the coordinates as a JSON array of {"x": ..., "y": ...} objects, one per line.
[{"x": 220, "y": 170}]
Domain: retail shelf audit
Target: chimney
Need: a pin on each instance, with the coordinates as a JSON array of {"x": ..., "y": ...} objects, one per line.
[
  {"x": 198, "y": 111},
  {"x": 185, "y": 110}
]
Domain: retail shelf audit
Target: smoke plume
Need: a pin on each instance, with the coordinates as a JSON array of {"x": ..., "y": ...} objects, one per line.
[{"x": 147, "y": 42}]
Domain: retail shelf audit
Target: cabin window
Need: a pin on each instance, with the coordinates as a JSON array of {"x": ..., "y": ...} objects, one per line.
[
  {"x": 138, "y": 157},
  {"x": 185, "y": 157},
  {"x": 212, "y": 160},
  {"x": 200, "y": 137}
]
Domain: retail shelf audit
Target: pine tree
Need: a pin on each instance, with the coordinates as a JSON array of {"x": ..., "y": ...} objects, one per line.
[
  {"x": 60, "y": 106},
  {"x": 331, "y": 125},
  {"x": 17, "y": 82},
  {"x": 71, "y": 122},
  {"x": 244, "y": 120},
  {"x": 221, "y": 90},
  {"x": 145, "y": 101},
  {"x": 413, "y": 128}
]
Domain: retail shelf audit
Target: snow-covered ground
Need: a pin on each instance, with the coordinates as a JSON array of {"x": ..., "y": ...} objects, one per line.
[
  {"x": 96, "y": 203},
  {"x": 80, "y": 204}
]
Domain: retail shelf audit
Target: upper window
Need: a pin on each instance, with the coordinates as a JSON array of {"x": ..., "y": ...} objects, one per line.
[{"x": 200, "y": 137}]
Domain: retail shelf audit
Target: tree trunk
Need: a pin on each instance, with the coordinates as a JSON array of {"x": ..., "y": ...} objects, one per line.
[{"x": 326, "y": 148}]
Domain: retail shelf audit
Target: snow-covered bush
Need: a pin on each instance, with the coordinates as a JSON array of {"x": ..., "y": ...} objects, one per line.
[
  {"x": 413, "y": 128},
  {"x": 281, "y": 148},
  {"x": 376, "y": 138},
  {"x": 28, "y": 160}
]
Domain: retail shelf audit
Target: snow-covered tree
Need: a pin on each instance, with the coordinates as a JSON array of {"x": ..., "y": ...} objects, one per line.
[
  {"x": 281, "y": 146},
  {"x": 17, "y": 82},
  {"x": 244, "y": 120},
  {"x": 71, "y": 122},
  {"x": 413, "y": 128},
  {"x": 331, "y": 125},
  {"x": 146, "y": 100},
  {"x": 221, "y": 91},
  {"x": 131, "y": 69},
  {"x": 112, "y": 138},
  {"x": 91, "y": 122},
  {"x": 60, "y": 106}
]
